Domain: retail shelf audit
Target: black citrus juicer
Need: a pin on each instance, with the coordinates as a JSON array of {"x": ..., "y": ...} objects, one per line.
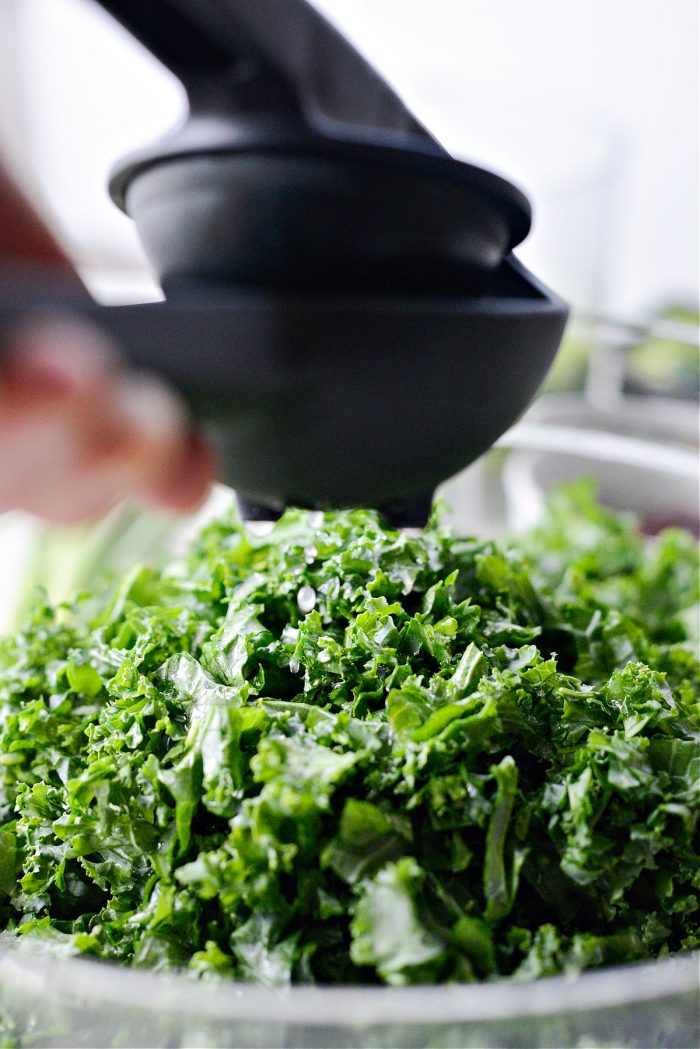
[{"x": 342, "y": 306}]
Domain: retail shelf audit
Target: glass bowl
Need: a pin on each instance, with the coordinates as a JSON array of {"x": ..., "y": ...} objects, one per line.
[{"x": 48, "y": 1001}]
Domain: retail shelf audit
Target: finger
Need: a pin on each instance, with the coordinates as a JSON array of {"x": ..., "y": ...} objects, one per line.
[
  {"x": 77, "y": 434},
  {"x": 188, "y": 478},
  {"x": 159, "y": 459},
  {"x": 25, "y": 236},
  {"x": 48, "y": 360}
]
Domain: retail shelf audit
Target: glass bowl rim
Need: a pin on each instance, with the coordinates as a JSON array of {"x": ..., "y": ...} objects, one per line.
[{"x": 31, "y": 976}]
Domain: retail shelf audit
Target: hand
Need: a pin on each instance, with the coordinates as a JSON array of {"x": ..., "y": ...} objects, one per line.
[{"x": 78, "y": 430}]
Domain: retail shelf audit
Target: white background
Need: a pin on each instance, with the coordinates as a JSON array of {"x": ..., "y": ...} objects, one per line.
[{"x": 591, "y": 105}]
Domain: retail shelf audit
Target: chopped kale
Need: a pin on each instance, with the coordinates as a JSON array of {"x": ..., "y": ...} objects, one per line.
[{"x": 344, "y": 754}]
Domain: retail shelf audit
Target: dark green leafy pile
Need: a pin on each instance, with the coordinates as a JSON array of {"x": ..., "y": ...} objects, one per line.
[{"x": 343, "y": 754}]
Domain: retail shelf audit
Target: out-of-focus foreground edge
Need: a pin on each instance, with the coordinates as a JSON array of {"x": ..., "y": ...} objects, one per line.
[{"x": 48, "y": 978}]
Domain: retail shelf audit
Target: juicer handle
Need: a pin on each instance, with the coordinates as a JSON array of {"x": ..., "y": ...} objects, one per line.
[
  {"x": 208, "y": 42},
  {"x": 212, "y": 348}
]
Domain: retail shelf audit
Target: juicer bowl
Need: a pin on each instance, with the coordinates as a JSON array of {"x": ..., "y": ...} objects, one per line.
[
  {"x": 340, "y": 399},
  {"x": 344, "y": 217}
]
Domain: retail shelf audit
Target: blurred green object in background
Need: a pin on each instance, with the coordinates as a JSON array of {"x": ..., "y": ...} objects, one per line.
[
  {"x": 666, "y": 366},
  {"x": 568, "y": 373},
  {"x": 654, "y": 357}
]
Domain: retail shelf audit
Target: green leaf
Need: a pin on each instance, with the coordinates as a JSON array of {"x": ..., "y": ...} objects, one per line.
[
  {"x": 367, "y": 839},
  {"x": 500, "y": 875},
  {"x": 387, "y": 931}
]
